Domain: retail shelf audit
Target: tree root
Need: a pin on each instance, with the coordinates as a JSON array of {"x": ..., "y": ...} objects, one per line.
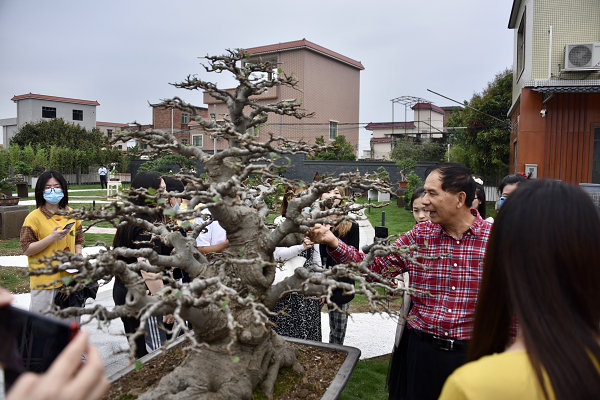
[{"x": 214, "y": 374}]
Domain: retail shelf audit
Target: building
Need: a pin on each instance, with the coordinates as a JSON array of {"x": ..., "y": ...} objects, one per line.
[
  {"x": 328, "y": 86},
  {"x": 177, "y": 122},
  {"x": 32, "y": 108},
  {"x": 110, "y": 129},
  {"x": 429, "y": 123},
  {"x": 555, "y": 112}
]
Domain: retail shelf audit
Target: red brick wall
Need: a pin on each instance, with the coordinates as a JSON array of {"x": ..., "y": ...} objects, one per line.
[{"x": 161, "y": 119}]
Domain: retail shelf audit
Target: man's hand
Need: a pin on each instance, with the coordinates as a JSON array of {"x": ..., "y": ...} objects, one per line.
[{"x": 322, "y": 234}]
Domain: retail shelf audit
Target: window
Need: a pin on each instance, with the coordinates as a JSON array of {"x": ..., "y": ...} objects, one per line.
[
  {"x": 184, "y": 118},
  {"x": 184, "y": 142},
  {"x": 333, "y": 130},
  {"x": 521, "y": 47},
  {"x": 197, "y": 140},
  {"x": 109, "y": 133},
  {"x": 48, "y": 112},
  {"x": 77, "y": 115}
]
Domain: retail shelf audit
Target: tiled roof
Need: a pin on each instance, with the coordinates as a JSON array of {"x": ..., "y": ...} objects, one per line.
[
  {"x": 54, "y": 98},
  {"x": 428, "y": 106},
  {"x": 299, "y": 44},
  {"x": 387, "y": 125},
  {"x": 110, "y": 124}
]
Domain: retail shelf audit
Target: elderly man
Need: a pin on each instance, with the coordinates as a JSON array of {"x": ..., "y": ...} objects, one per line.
[{"x": 440, "y": 320}]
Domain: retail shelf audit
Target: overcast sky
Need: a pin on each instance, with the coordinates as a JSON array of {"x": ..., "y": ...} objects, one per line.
[{"x": 124, "y": 53}]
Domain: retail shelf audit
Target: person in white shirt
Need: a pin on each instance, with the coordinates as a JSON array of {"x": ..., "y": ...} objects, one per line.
[
  {"x": 214, "y": 238},
  {"x": 103, "y": 172}
]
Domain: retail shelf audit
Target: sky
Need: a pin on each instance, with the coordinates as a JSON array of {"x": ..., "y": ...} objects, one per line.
[{"x": 124, "y": 53}]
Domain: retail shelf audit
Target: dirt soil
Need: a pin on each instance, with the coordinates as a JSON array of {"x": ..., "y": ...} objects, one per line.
[{"x": 320, "y": 368}]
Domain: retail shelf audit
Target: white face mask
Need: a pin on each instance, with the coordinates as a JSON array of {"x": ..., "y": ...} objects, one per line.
[{"x": 176, "y": 206}]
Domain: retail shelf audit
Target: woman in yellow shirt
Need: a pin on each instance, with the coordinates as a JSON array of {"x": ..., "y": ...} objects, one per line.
[
  {"x": 43, "y": 233},
  {"x": 542, "y": 267}
]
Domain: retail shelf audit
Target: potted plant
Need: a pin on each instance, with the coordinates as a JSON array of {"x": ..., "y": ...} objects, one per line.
[
  {"x": 6, "y": 187},
  {"x": 405, "y": 165},
  {"x": 22, "y": 169}
]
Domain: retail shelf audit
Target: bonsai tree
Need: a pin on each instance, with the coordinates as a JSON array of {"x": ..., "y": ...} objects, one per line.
[
  {"x": 232, "y": 348},
  {"x": 22, "y": 169},
  {"x": 405, "y": 165}
]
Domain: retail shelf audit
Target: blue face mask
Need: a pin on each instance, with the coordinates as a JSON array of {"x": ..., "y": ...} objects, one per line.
[
  {"x": 176, "y": 207},
  {"x": 53, "y": 196},
  {"x": 502, "y": 200}
]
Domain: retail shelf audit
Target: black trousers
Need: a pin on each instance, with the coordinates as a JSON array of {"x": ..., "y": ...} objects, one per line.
[
  {"x": 129, "y": 323},
  {"x": 103, "y": 184},
  {"x": 418, "y": 369}
]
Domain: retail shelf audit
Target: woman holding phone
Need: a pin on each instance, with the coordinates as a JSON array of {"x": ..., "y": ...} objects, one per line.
[{"x": 44, "y": 232}]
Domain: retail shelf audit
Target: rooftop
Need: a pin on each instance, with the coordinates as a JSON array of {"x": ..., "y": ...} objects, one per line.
[
  {"x": 388, "y": 125},
  {"x": 111, "y": 124},
  {"x": 304, "y": 44},
  {"x": 428, "y": 106},
  {"x": 53, "y": 98}
]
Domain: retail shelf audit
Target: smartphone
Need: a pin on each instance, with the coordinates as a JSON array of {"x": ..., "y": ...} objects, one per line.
[
  {"x": 30, "y": 341},
  {"x": 69, "y": 225}
]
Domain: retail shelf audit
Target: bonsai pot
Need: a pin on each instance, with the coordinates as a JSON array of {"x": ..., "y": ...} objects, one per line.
[
  {"x": 9, "y": 201},
  {"x": 22, "y": 190},
  {"x": 333, "y": 391}
]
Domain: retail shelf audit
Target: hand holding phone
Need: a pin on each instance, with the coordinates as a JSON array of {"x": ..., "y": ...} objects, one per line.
[
  {"x": 69, "y": 225},
  {"x": 31, "y": 341}
]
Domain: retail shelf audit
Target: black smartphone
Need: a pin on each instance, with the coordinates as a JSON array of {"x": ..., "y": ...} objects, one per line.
[
  {"x": 30, "y": 341},
  {"x": 69, "y": 225}
]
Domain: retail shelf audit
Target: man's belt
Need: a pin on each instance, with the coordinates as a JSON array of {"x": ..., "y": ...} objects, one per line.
[{"x": 442, "y": 343}]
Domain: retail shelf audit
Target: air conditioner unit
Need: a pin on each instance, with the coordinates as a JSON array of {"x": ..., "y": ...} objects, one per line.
[{"x": 582, "y": 56}]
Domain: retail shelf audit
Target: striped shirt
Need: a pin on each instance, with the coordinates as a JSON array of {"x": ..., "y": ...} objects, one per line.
[{"x": 452, "y": 280}]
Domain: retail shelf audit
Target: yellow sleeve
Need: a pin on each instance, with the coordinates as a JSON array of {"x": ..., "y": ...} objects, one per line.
[{"x": 452, "y": 389}]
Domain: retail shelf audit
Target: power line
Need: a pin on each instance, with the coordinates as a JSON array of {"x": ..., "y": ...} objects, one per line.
[{"x": 472, "y": 108}]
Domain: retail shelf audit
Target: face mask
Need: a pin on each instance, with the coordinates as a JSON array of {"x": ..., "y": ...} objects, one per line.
[
  {"x": 53, "y": 196},
  {"x": 502, "y": 200},
  {"x": 176, "y": 207}
]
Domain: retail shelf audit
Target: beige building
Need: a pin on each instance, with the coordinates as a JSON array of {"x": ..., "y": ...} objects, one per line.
[
  {"x": 555, "y": 112},
  {"x": 428, "y": 123},
  {"x": 329, "y": 86}
]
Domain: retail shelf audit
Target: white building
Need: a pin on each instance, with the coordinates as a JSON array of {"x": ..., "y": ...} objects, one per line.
[
  {"x": 33, "y": 108},
  {"x": 428, "y": 124}
]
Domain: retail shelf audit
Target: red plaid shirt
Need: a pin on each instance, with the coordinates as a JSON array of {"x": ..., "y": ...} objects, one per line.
[{"x": 452, "y": 281}]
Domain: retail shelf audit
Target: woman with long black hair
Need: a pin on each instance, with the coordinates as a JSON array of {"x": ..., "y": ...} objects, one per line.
[
  {"x": 135, "y": 237},
  {"x": 541, "y": 267}
]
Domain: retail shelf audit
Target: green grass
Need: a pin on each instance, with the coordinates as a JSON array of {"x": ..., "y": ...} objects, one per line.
[
  {"x": 10, "y": 247},
  {"x": 14, "y": 279},
  {"x": 92, "y": 238},
  {"x": 397, "y": 219},
  {"x": 367, "y": 380}
]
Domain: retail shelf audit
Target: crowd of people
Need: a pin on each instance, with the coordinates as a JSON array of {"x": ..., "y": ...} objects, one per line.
[{"x": 500, "y": 308}]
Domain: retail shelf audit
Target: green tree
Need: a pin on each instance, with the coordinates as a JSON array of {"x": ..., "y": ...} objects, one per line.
[
  {"x": 166, "y": 163},
  {"x": 408, "y": 151},
  {"x": 28, "y": 155},
  {"x": 40, "y": 161},
  {"x": 339, "y": 149},
  {"x": 87, "y": 147},
  {"x": 57, "y": 132},
  {"x": 484, "y": 145}
]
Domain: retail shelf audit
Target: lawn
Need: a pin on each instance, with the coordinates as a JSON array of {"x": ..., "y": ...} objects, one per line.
[
  {"x": 397, "y": 219},
  {"x": 368, "y": 380}
]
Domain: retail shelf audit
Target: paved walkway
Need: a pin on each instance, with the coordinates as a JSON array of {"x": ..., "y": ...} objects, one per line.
[{"x": 373, "y": 334}]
